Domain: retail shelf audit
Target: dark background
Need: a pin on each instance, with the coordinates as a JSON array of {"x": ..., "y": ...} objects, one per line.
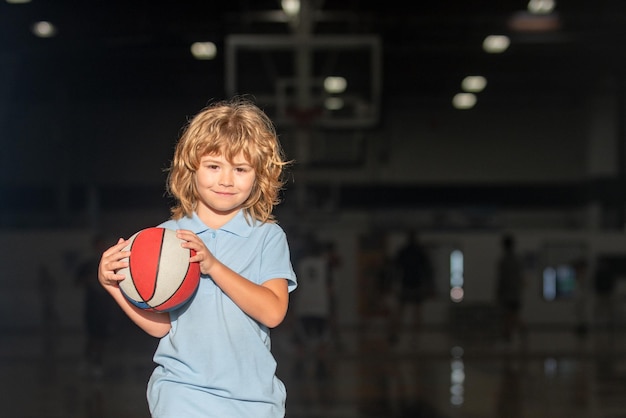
[{"x": 95, "y": 110}]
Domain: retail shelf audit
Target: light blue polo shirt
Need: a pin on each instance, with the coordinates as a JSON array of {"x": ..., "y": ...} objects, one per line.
[{"x": 216, "y": 360}]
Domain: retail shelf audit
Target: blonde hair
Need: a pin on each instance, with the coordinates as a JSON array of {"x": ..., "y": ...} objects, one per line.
[{"x": 228, "y": 128}]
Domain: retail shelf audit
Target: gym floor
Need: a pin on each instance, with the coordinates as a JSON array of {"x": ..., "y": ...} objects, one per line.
[{"x": 550, "y": 373}]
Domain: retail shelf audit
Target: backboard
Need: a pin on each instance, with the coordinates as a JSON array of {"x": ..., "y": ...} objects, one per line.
[{"x": 286, "y": 73}]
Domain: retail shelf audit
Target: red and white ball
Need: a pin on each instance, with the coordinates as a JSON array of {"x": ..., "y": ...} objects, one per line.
[{"x": 159, "y": 276}]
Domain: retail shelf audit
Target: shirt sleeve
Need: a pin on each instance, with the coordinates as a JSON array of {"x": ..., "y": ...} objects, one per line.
[{"x": 276, "y": 259}]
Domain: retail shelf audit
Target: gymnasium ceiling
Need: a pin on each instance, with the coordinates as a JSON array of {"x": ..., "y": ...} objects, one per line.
[{"x": 140, "y": 49}]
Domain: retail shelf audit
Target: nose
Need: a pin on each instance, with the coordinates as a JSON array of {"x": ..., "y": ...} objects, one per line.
[{"x": 226, "y": 178}]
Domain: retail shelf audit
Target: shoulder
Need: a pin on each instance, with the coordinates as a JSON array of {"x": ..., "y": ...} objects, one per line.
[
  {"x": 169, "y": 224},
  {"x": 270, "y": 234},
  {"x": 274, "y": 228},
  {"x": 267, "y": 228},
  {"x": 192, "y": 223}
]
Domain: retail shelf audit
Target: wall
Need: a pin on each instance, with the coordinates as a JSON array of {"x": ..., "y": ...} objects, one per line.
[{"x": 130, "y": 143}]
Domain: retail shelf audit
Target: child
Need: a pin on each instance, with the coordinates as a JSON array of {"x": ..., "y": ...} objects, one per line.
[{"x": 214, "y": 359}]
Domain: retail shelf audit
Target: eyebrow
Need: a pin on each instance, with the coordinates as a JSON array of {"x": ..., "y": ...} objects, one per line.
[
  {"x": 239, "y": 164},
  {"x": 212, "y": 159}
]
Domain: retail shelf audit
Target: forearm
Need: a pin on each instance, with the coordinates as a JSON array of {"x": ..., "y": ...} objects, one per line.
[
  {"x": 156, "y": 324},
  {"x": 266, "y": 303}
]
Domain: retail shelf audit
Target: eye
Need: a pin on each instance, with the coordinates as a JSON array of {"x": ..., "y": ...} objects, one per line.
[{"x": 242, "y": 169}]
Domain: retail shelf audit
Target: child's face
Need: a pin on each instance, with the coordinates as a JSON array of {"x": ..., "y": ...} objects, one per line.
[{"x": 224, "y": 186}]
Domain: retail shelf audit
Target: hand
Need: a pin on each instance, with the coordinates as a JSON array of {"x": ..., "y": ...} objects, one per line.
[
  {"x": 203, "y": 256},
  {"x": 112, "y": 260}
]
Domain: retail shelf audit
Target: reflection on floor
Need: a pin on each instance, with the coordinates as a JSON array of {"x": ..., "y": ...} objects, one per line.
[{"x": 554, "y": 373}]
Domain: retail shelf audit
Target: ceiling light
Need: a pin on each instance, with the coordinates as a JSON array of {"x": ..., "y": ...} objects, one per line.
[
  {"x": 464, "y": 100},
  {"x": 541, "y": 6},
  {"x": 335, "y": 85},
  {"x": 44, "y": 29},
  {"x": 333, "y": 103},
  {"x": 496, "y": 44},
  {"x": 291, "y": 7},
  {"x": 203, "y": 50},
  {"x": 18, "y": 1},
  {"x": 474, "y": 83}
]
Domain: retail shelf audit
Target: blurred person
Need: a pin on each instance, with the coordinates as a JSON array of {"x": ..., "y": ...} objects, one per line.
[
  {"x": 333, "y": 261},
  {"x": 47, "y": 292},
  {"x": 413, "y": 275},
  {"x": 97, "y": 308},
  {"x": 509, "y": 288},
  {"x": 580, "y": 266},
  {"x": 49, "y": 322},
  {"x": 313, "y": 310},
  {"x": 604, "y": 286}
]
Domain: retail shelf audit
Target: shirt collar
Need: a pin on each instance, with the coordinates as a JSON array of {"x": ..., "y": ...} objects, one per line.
[{"x": 237, "y": 225}]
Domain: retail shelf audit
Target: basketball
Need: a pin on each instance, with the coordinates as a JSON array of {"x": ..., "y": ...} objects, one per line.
[{"x": 159, "y": 276}]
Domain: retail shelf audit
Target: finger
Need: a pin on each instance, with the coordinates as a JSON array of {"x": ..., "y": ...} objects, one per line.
[
  {"x": 115, "y": 261},
  {"x": 121, "y": 243},
  {"x": 186, "y": 235},
  {"x": 114, "y": 279},
  {"x": 115, "y": 266},
  {"x": 196, "y": 258}
]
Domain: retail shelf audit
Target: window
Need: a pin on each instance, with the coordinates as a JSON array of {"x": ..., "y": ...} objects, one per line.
[{"x": 456, "y": 276}]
